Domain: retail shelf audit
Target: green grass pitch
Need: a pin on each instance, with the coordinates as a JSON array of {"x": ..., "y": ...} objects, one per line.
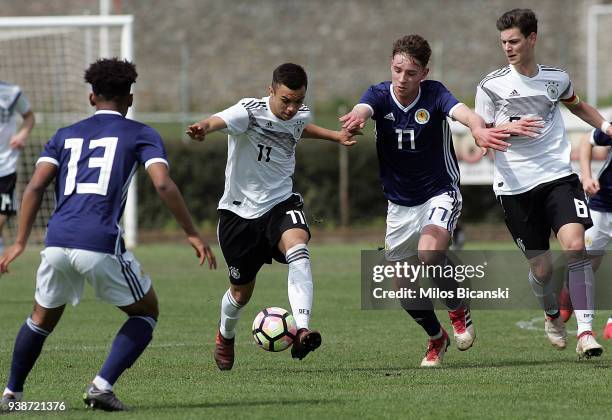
[{"x": 367, "y": 366}]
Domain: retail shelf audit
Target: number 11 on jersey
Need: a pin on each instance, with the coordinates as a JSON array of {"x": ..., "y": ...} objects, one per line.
[{"x": 400, "y": 138}]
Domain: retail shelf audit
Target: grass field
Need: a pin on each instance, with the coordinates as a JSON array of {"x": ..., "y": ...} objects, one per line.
[{"x": 366, "y": 368}]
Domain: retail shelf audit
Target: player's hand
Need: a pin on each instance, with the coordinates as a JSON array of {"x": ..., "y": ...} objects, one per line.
[
  {"x": 196, "y": 132},
  {"x": 352, "y": 121},
  {"x": 17, "y": 142},
  {"x": 491, "y": 138},
  {"x": 524, "y": 127},
  {"x": 9, "y": 255},
  {"x": 590, "y": 186},
  {"x": 347, "y": 137},
  {"x": 203, "y": 251}
]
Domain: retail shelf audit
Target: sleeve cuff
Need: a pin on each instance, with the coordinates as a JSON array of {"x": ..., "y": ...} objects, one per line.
[
  {"x": 155, "y": 160},
  {"x": 48, "y": 160},
  {"x": 454, "y": 108},
  {"x": 367, "y": 106}
]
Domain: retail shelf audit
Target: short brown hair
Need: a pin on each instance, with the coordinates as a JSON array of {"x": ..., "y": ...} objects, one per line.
[
  {"x": 524, "y": 19},
  {"x": 415, "y": 46}
]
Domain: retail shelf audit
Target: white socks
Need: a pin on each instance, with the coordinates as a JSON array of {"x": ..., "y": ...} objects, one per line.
[
  {"x": 300, "y": 285},
  {"x": 18, "y": 395},
  {"x": 230, "y": 314},
  {"x": 102, "y": 384},
  {"x": 544, "y": 293},
  {"x": 582, "y": 293}
]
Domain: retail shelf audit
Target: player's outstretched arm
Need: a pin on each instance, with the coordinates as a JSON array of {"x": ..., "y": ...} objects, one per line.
[
  {"x": 173, "y": 199},
  {"x": 18, "y": 140},
  {"x": 590, "y": 185},
  {"x": 488, "y": 138},
  {"x": 591, "y": 116},
  {"x": 199, "y": 130},
  {"x": 343, "y": 137},
  {"x": 32, "y": 197},
  {"x": 524, "y": 127},
  {"x": 357, "y": 118}
]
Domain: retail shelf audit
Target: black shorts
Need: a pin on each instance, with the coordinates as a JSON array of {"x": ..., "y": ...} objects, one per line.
[
  {"x": 248, "y": 244},
  {"x": 8, "y": 206},
  {"x": 530, "y": 216}
]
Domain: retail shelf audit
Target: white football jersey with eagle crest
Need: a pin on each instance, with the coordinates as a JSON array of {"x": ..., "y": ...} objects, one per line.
[
  {"x": 504, "y": 96},
  {"x": 260, "y": 156}
]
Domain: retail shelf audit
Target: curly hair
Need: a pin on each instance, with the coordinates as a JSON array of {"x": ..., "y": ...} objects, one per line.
[
  {"x": 415, "y": 46},
  {"x": 111, "y": 77},
  {"x": 291, "y": 75}
]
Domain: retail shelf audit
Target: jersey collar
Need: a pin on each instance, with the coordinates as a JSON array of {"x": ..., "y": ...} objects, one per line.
[
  {"x": 399, "y": 104},
  {"x": 522, "y": 76},
  {"x": 107, "y": 111}
]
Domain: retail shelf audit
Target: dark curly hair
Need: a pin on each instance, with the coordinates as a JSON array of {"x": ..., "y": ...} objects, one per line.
[
  {"x": 291, "y": 75},
  {"x": 415, "y": 46},
  {"x": 111, "y": 77}
]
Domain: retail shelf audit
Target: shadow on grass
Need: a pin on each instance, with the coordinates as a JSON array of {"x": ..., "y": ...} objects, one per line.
[
  {"x": 225, "y": 404},
  {"x": 394, "y": 370}
]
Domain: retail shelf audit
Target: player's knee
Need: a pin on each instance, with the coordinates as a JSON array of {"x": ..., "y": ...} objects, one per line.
[
  {"x": 575, "y": 248},
  {"x": 153, "y": 311},
  {"x": 241, "y": 294},
  {"x": 542, "y": 272},
  {"x": 428, "y": 257},
  {"x": 46, "y": 319}
]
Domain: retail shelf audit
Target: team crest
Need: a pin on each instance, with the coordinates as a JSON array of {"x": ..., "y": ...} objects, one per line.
[
  {"x": 421, "y": 116},
  {"x": 588, "y": 241},
  {"x": 234, "y": 273},
  {"x": 552, "y": 89}
]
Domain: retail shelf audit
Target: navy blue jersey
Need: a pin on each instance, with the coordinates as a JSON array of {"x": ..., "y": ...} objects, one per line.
[
  {"x": 415, "y": 147},
  {"x": 96, "y": 159},
  {"x": 602, "y": 201}
]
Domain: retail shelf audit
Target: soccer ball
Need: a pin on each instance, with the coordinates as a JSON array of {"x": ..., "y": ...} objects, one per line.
[{"x": 274, "y": 329}]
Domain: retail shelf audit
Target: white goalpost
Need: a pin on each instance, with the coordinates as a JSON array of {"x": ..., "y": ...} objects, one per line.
[
  {"x": 593, "y": 49},
  {"x": 47, "y": 56}
]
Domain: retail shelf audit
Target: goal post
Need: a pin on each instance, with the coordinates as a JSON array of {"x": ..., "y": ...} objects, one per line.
[
  {"x": 594, "y": 39},
  {"x": 47, "y": 56}
]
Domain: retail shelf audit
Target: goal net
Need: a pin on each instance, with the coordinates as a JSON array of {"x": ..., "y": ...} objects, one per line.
[{"x": 47, "y": 57}]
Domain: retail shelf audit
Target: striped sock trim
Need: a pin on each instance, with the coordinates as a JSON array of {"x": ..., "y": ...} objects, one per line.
[
  {"x": 149, "y": 320},
  {"x": 232, "y": 301},
  {"x": 31, "y": 325},
  {"x": 296, "y": 253},
  {"x": 579, "y": 265}
]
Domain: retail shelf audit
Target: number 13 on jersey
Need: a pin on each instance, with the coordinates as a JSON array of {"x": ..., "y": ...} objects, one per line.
[{"x": 105, "y": 163}]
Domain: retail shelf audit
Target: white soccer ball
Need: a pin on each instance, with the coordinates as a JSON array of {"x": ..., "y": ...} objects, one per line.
[{"x": 274, "y": 329}]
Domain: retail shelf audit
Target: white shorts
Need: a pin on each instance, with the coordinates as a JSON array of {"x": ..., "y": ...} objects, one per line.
[
  {"x": 597, "y": 237},
  {"x": 404, "y": 224},
  {"x": 116, "y": 279}
]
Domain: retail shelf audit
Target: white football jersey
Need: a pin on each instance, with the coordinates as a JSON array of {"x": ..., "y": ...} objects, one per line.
[
  {"x": 260, "y": 156},
  {"x": 506, "y": 95},
  {"x": 12, "y": 101}
]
